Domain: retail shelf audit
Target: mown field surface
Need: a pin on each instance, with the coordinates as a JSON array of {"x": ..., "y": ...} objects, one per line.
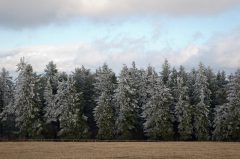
[{"x": 119, "y": 150}]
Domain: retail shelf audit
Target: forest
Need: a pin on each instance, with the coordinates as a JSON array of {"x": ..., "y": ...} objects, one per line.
[{"x": 171, "y": 104}]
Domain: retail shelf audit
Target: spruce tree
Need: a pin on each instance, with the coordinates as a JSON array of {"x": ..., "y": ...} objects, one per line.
[
  {"x": 221, "y": 109},
  {"x": 50, "y": 101},
  {"x": 201, "y": 105},
  {"x": 51, "y": 74},
  {"x": 127, "y": 106},
  {"x": 221, "y": 91},
  {"x": 212, "y": 86},
  {"x": 84, "y": 81},
  {"x": 138, "y": 83},
  {"x": 26, "y": 102},
  {"x": 173, "y": 86},
  {"x": 6, "y": 89},
  {"x": 104, "y": 112},
  {"x": 227, "y": 121},
  {"x": 73, "y": 123},
  {"x": 183, "y": 74},
  {"x": 165, "y": 73},
  {"x": 220, "y": 123},
  {"x": 6, "y": 100},
  {"x": 156, "y": 112},
  {"x": 183, "y": 111},
  {"x": 50, "y": 80}
]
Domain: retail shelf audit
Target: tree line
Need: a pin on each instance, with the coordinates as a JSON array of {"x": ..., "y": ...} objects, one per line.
[{"x": 138, "y": 104}]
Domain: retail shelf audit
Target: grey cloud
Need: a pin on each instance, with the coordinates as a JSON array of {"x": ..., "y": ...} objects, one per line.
[
  {"x": 30, "y": 13},
  {"x": 220, "y": 52}
]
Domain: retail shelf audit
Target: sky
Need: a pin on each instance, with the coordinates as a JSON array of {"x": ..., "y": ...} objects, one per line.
[{"x": 73, "y": 33}]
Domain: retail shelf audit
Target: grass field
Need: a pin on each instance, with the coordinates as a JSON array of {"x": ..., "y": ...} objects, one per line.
[{"x": 119, "y": 150}]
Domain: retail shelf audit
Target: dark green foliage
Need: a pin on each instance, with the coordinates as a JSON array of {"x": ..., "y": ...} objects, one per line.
[
  {"x": 104, "y": 113},
  {"x": 84, "y": 81},
  {"x": 139, "y": 104}
]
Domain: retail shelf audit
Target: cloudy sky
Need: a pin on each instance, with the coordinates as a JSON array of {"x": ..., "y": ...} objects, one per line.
[{"x": 90, "y": 32}]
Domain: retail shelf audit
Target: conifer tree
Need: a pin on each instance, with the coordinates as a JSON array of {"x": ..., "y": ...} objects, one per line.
[
  {"x": 6, "y": 100},
  {"x": 183, "y": 111},
  {"x": 84, "y": 81},
  {"x": 51, "y": 76},
  {"x": 212, "y": 86},
  {"x": 221, "y": 109},
  {"x": 173, "y": 86},
  {"x": 227, "y": 121},
  {"x": 201, "y": 105},
  {"x": 127, "y": 106},
  {"x": 73, "y": 123},
  {"x": 179, "y": 105},
  {"x": 221, "y": 91},
  {"x": 138, "y": 83},
  {"x": 6, "y": 89},
  {"x": 50, "y": 101},
  {"x": 165, "y": 73},
  {"x": 148, "y": 83},
  {"x": 26, "y": 102},
  {"x": 183, "y": 74},
  {"x": 156, "y": 112},
  {"x": 104, "y": 112},
  {"x": 220, "y": 123}
]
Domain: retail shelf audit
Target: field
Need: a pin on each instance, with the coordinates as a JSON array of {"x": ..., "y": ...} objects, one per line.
[{"x": 119, "y": 150}]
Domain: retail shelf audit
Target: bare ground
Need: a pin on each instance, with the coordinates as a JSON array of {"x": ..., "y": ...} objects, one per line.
[{"x": 119, "y": 150}]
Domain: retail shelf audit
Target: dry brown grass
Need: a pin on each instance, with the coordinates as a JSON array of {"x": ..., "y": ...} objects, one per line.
[{"x": 119, "y": 150}]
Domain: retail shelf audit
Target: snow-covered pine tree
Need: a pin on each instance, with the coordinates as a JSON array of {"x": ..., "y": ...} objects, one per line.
[
  {"x": 173, "y": 85},
  {"x": 104, "y": 113},
  {"x": 141, "y": 80},
  {"x": 222, "y": 114},
  {"x": 220, "y": 123},
  {"x": 127, "y": 106},
  {"x": 221, "y": 91},
  {"x": 6, "y": 89},
  {"x": 101, "y": 85},
  {"x": 73, "y": 123},
  {"x": 51, "y": 74},
  {"x": 61, "y": 100},
  {"x": 221, "y": 109},
  {"x": 183, "y": 111},
  {"x": 50, "y": 102},
  {"x": 6, "y": 100},
  {"x": 191, "y": 80},
  {"x": 84, "y": 81},
  {"x": 50, "y": 80},
  {"x": 148, "y": 85},
  {"x": 138, "y": 83},
  {"x": 227, "y": 121},
  {"x": 201, "y": 105},
  {"x": 156, "y": 112},
  {"x": 104, "y": 116},
  {"x": 212, "y": 86},
  {"x": 26, "y": 102},
  {"x": 62, "y": 76},
  {"x": 173, "y": 79},
  {"x": 183, "y": 74},
  {"x": 165, "y": 73}
]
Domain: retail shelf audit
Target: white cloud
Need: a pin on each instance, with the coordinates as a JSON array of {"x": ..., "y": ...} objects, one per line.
[
  {"x": 226, "y": 50},
  {"x": 29, "y": 13},
  {"x": 220, "y": 52}
]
